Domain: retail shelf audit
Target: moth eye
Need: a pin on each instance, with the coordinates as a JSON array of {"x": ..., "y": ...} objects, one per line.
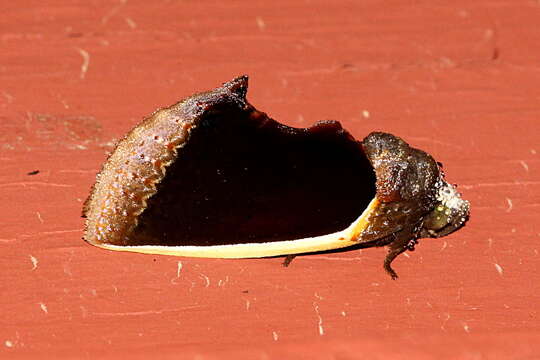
[{"x": 438, "y": 218}]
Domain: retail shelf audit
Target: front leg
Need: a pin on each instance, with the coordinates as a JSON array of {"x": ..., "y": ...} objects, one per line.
[
  {"x": 393, "y": 252},
  {"x": 404, "y": 240}
]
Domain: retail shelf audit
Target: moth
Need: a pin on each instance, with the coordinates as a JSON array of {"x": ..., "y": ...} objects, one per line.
[{"x": 211, "y": 176}]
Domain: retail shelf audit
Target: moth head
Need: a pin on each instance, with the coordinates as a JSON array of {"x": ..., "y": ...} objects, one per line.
[{"x": 449, "y": 213}]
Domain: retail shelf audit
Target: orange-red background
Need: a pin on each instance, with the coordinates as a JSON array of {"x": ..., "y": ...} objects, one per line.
[{"x": 458, "y": 79}]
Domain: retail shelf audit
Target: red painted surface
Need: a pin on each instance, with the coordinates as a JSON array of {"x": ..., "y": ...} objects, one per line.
[{"x": 459, "y": 81}]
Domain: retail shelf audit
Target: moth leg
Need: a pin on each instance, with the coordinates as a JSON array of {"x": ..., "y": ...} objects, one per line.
[
  {"x": 288, "y": 260},
  {"x": 393, "y": 252},
  {"x": 402, "y": 242}
]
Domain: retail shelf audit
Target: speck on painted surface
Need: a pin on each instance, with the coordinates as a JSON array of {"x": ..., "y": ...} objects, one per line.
[
  {"x": 524, "y": 165},
  {"x": 498, "y": 268},
  {"x": 510, "y": 205},
  {"x": 43, "y": 307},
  {"x": 34, "y": 261}
]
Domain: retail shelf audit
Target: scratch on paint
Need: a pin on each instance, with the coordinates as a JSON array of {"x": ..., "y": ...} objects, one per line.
[
  {"x": 178, "y": 269},
  {"x": 31, "y": 183},
  {"x": 445, "y": 320},
  {"x": 224, "y": 281},
  {"x": 459, "y": 295},
  {"x": 498, "y": 268},
  {"x": 206, "y": 279},
  {"x": 436, "y": 142},
  {"x": 132, "y": 24},
  {"x": 510, "y": 205},
  {"x": 86, "y": 62},
  {"x": 58, "y": 232},
  {"x": 147, "y": 312},
  {"x": 66, "y": 267},
  {"x": 444, "y": 245},
  {"x": 34, "y": 261},
  {"x": 113, "y": 11},
  {"x": 275, "y": 336},
  {"x": 320, "y": 322},
  {"x": 77, "y": 171},
  {"x": 515, "y": 183}
]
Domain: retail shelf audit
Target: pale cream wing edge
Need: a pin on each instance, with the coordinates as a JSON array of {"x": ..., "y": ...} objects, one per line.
[{"x": 347, "y": 237}]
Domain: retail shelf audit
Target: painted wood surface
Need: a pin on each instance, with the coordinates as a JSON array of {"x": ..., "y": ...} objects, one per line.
[{"x": 459, "y": 80}]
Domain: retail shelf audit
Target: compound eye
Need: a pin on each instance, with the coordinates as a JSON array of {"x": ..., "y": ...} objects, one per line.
[{"x": 438, "y": 218}]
